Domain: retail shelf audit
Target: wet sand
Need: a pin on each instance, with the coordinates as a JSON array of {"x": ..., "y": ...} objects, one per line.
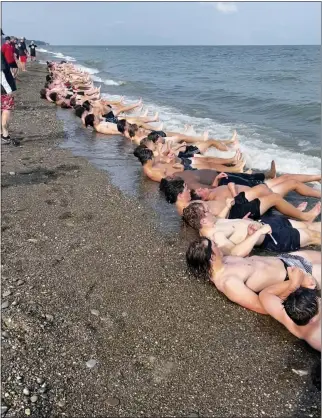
[{"x": 92, "y": 277}]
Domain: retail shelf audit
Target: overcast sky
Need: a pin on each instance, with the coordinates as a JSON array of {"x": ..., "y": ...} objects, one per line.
[{"x": 138, "y": 23}]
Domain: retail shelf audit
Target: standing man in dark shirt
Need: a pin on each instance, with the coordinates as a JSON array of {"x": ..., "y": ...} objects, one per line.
[
  {"x": 8, "y": 51},
  {"x": 32, "y": 48},
  {"x": 23, "y": 53},
  {"x": 8, "y": 86}
]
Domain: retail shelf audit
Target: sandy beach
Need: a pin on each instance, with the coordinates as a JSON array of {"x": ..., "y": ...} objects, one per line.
[{"x": 100, "y": 318}]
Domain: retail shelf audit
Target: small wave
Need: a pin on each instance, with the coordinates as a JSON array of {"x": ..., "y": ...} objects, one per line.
[
  {"x": 258, "y": 150},
  {"x": 87, "y": 69},
  {"x": 108, "y": 82},
  {"x": 57, "y": 54}
]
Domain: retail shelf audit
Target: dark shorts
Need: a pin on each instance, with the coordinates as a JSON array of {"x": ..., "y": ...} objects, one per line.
[
  {"x": 242, "y": 206},
  {"x": 109, "y": 117},
  {"x": 243, "y": 179},
  {"x": 160, "y": 133},
  {"x": 13, "y": 65},
  {"x": 287, "y": 237},
  {"x": 189, "y": 152},
  {"x": 186, "y": 162}
]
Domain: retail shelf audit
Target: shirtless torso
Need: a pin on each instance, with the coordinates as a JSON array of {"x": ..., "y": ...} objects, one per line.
[{"x": 239, "y": 279}]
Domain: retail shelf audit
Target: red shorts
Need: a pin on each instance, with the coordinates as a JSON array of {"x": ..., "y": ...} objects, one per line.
[
  {"x": 23, "y": 58},
  {"x": 7, "y": 102}
]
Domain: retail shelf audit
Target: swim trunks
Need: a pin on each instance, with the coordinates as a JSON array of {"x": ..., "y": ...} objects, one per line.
[
  {"x": 109, "y": 117},
  {"x": 23, "y": 58},
  {"x": 160, "y": 133},
  {"x": 287, "y": 237},
  {"x": 242, "y": 206},
  {"x": 290, "y": 260},
  {"x": 186, "y": 162},
  {"x": 189, "y": 152},
  {"x": 243, "y": 179}
]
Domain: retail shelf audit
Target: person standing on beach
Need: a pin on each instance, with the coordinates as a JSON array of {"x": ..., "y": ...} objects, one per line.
[
  {"x": 8, "y": 51},
  {"x": 32, "y": 48},
  {"x": 23, "y": 53},
  {"x": 8, "y": 86}
]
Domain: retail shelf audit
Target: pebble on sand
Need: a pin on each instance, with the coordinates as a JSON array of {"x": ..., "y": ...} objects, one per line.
[
  {"x": 26, "y": 391},
  {"x": 27, "y": 411},
  {"x": 95, "y": 312},
  {"x": 5, "y": 304},
  {"x": 34, "y": 398},
  {"x": 91, "y": 363},
  {"x": 40, "y": 380},
  {"x": 6, "y": 293},
  {"x": 113, "y": 401}
]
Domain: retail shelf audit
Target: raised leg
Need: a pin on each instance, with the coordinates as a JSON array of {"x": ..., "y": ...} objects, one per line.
[{"x": 292, "y": 185}]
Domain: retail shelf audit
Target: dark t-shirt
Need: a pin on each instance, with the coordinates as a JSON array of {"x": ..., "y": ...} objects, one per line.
[
  {"x": 33, "y": 50},
  {"x": 8, "y": 84},
  {"x": 22, "y": 49}
]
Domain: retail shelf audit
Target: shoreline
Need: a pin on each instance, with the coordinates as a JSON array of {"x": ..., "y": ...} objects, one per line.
[{"x": 93, "y": 278}]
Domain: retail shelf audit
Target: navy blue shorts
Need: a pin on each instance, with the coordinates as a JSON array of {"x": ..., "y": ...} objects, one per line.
[
  {"x": 287, "y": 237},
  {"x": 189, "y": 152},
  {"x": 243, "y": 179}
]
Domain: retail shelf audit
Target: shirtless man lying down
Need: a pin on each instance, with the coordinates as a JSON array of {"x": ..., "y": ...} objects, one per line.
[{"x": 241, "y": 279}]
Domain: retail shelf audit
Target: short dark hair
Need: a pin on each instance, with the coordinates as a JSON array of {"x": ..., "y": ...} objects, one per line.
[
  {"x": 121, "y": 125},
  {"x": 302, "y": 305},
  {"x": 64, "y": 105},
  {"x": 145, "y": 141},
  {"x": 7, "y": 38},
  {"x": 79, "y": 110},
  {"x": 53, "y": 96},
  {"x": 172, "y": 188},
  {"x": 89, "y": 120},
  {"x": 43, "y": 93},
  {"x": 154, "y": 136},
  {"x": 143, "y": 153},
  {"x": 87, "y": 105},
  {"x": 73, "y": 101},
  {"x": 193, "y": 214},
  {"x": 198, "y": 258},
  {"x": 132, "y": 129}
]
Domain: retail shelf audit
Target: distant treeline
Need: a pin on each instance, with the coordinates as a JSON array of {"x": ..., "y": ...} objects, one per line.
[{"x": 28, "y": 41}]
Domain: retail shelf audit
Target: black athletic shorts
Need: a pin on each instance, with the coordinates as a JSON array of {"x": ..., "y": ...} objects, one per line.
[
  {"x": 242, "y": 206},
  {"x": 13, "y": 65},
  {"x": 186, "y": 162},
  {"x": 189, "y": 152},
  {"x": 243, "y": 179},
  {"x": 110, "y": 117},
  {"x": 287, "y": 237}
]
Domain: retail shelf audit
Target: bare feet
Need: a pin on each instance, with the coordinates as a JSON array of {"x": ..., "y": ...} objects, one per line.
[
  {"x": 302, "y": 206},
  {"x": 145, "y": 114},
  {"x": 156, "y": 117},
  {"x": 234, "y": 137},
  {"x": 313, "y": 213},
  {"x": 271, "y": 174},
  {"x": 206, "y": 135},
  {"x": 160, "y": 128}
]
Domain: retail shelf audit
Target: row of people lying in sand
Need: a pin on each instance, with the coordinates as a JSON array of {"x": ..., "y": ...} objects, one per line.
[{"x": 227, "y": 206}]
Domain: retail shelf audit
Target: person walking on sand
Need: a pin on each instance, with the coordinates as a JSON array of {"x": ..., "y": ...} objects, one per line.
[
  {"x": 8, "y": 51},
  {"x": 8, "y": 86},
  {"x": 23, "y": 53},
  {"x": 32, "y": 48}
]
